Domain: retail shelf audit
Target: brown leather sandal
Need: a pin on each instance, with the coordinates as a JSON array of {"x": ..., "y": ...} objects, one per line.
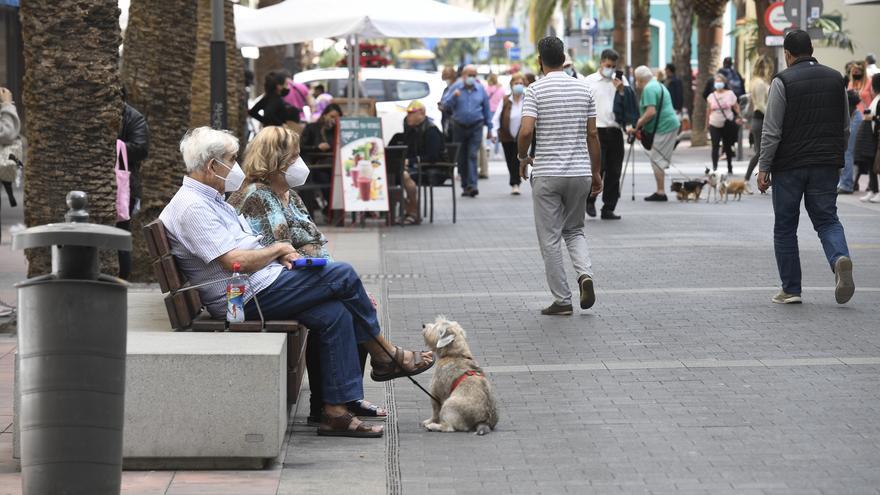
[
  {"x": 347, "y": 426},
  {"x": 382, "y": 372}
]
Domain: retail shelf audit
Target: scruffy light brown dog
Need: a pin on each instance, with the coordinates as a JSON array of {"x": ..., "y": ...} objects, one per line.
[{"x": 466, "y": 399}]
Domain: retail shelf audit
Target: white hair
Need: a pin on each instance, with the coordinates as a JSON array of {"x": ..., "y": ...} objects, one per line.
[
  {"x": 202, "y": 144},
  {"x": 643, "y": 73}
]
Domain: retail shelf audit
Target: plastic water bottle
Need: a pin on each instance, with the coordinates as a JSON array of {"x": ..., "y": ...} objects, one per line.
[{"x": 235, "y": 289}]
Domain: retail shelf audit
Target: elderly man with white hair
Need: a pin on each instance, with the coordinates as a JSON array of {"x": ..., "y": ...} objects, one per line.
[
  {"x": 658, "y": 120},
  {"x": 207, "y": 237}
]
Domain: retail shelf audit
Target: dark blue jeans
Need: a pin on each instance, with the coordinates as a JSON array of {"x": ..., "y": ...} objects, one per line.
[
  {"x": 332, "y": 302},
  {"x": 471, "y": 138},
  {"x": 818, "y": 187}
]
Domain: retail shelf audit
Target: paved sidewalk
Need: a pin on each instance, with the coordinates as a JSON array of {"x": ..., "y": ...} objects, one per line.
[{"x": 683, "y": 378}]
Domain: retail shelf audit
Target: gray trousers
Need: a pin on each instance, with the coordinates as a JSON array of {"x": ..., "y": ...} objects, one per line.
[{"x": 559, "y": 204}]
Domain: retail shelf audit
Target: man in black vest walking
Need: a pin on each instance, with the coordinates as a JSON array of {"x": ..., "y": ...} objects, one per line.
[{"x": 806, "y": 128}]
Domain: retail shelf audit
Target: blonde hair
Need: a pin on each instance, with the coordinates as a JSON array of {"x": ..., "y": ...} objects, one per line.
[
  {"x": 763, "y": 68},
  {"x": 492, "y": 79},
  {"x": 272, "y": 150},
  {"x": 517, "y": 77}
]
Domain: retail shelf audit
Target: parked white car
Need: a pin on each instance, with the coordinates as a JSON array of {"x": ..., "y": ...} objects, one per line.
[{"x": 393, "y": 90}]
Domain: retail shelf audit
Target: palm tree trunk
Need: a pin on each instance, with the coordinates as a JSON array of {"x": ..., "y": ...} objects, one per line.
[
  {"x": 641, "y": 43},
  {"x": 710, "y": 35},
  {"x": 683, "y": 27},
  {"x": 72, "y": 89},
  {"x": 762, "y": 48},
  {"x": 619, "y": 34},
  {"x": 158, "y": 72},
  {"x": 271, "y": 57},
  {"x": 200, "y": 113}
]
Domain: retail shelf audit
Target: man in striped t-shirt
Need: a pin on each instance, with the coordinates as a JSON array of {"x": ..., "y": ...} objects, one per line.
[{"x": 561, "y": 112}]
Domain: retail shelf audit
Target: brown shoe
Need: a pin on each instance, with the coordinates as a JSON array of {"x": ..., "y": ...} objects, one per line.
[{"x": 558, "y": 310}]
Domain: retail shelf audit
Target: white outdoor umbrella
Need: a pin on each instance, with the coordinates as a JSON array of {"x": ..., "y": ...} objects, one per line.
[{"x": 296, "y": 21}]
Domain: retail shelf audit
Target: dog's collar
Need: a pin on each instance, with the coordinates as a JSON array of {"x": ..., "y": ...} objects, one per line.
[{"x": 460, "y": 379}]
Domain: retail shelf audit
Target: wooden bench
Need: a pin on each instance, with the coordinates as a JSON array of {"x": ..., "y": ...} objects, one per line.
[{"x": 186, "y": 313}]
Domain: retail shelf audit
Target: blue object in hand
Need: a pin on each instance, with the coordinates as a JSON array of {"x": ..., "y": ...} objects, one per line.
[{"x": 309, "y": 263}]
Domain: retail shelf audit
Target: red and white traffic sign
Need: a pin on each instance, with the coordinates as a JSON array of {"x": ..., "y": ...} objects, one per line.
[{"x": 775, "y": 19}]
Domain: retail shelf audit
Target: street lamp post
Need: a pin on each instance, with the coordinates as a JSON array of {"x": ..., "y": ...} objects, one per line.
[
  {"x": 629, "y": 32},
  {"x": 218, "y": 66}
]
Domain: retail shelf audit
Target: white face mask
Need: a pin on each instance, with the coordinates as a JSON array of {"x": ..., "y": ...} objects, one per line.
[
  {"x": 234, "y": 179},
  {"x": 296, "y": 174},
  {"x": 719, "y": 85},
  {"x": 607, "y": 72}
]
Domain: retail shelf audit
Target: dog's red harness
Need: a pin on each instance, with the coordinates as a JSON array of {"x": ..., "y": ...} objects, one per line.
[{"x": 460, "y": 379}]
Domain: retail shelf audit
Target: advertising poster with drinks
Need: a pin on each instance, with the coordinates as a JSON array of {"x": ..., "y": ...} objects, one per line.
[{"x": 362, "y": 158}]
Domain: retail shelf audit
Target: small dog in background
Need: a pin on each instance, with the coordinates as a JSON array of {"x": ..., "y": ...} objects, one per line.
[
  {"x": 714, "y": 180},
  {"x": 735, "y": 187},
  {"x": 687, "y": 190},
  {"x": 466, "y": 399}
]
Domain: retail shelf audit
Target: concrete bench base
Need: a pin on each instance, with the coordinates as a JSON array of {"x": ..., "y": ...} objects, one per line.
[{"x": 203, "y": 400}]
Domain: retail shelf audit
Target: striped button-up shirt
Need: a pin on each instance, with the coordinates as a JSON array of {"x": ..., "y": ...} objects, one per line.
[{"x": 201, "y": 227}]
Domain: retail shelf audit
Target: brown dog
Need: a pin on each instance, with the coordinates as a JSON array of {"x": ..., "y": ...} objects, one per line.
[
  {"x": 465, "y": 394},
  {"x": 735, "y": 187}
]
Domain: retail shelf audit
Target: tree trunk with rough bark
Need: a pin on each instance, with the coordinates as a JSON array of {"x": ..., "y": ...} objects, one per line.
[
  {"x": 641, "y": 32},
  {"x": 271, "y": 57},
  {"x": 200, "y": 112},
  {"x": 762, "y": 48},
  {"x": 682, "y": 30},
  {"x": 710, "y": 35},
  {"x": 72, "y": 89},
  {"x": 158, "y": 72},
  {"x": 619, "y": 34}
]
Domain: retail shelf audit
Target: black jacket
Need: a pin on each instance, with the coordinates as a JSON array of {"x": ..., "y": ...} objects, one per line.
[
  {"x": 276, "y": 111},
  {"x": 424, "y": 143},
  {"x": 136, "y": 135},
  {"x": 815, "y": 108},
  {"x": 676, "y": 92}
]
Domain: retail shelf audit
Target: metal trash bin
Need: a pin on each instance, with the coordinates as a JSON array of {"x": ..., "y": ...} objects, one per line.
[{"x": 71, "y": 351}]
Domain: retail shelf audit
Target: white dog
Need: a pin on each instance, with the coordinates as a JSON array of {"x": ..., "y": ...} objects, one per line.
[
  {"x": 465, "y": 394},
  {"x": 714, "y": 180}
]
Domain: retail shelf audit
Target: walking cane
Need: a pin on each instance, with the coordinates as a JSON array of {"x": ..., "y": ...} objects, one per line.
[{"x": 629, "y": 156}]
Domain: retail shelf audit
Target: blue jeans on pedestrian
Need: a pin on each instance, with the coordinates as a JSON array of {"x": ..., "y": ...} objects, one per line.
[
  {"x": 470, "y": 139},
  {"x": 332, "y": 302},
  {"x": 818, "y": 188},
  {"x": 847, "y": 176}
]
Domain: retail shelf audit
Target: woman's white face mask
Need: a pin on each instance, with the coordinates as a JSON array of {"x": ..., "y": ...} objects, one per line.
[{"x": 296, "y": 174}]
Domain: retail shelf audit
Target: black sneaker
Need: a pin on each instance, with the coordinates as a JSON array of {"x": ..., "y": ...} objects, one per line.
[
  {"x": 467, "y": 192},
  {"x": 591, "y": 209},
  {"x": 475, "y": 192},
  {"x": 656, "y": 197},
  {"x": 558, "y": 310},
  {"x": 588, "y": 295},
  {"x": 609, "y": 215}
]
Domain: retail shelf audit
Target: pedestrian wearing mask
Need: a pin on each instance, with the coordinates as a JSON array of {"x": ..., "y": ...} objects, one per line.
[
  {"x": 506, "y": 124},
  {"x": 275, "y": 111},
  {"x": 320, "y": 137},
  {"x": 723, "y": 120},
  {"x": 803, "y": 145},
  {"x": 615, "y": 109},
  {"x": 469, "y": 104},
  {"x": 561, "y": 112}
]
